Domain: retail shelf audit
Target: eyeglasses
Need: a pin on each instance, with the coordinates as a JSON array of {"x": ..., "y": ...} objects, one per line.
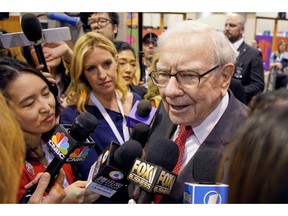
[
  {"x": 101, "y": 22},
  {"x": 186, "y": 78},
  {"x": 147, "y": 43}
]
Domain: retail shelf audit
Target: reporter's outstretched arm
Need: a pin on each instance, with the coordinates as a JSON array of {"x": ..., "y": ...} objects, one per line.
[
  {"x": 77, "y": 193},
  {"x": 57, "y": 49}
]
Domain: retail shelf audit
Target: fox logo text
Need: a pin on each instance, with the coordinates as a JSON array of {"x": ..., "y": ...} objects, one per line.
[
  {"x": 165, "y": 183},
  {"x": 143, "y": 173}
]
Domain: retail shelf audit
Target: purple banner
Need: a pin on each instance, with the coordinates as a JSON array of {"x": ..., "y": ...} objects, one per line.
[{"x": 265, "y": 44}]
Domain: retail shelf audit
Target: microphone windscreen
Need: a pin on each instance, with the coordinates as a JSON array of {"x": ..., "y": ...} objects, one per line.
[
  {"x": 144, "y": 108},
  {"x": 31, "y": 27},
  {"x": 125, "y": 155},
  {"x": 140, "y": 133},
  {"x": 164, "y": 153},
  {"x": 205, "y": 166},
  {"x": 83, "y": 125}
]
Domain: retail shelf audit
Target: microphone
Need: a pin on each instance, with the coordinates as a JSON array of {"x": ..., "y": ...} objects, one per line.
[
  {"x": 108, "y": 174},
  {"x": 74, "y": 21},
  {"x": 32, "y": 29},
  {"x": 153, "y": 174},
  {"x": 141, "y": 112},
  {"x": 69, "y": 144},
  {"x": 140, "y": 133},
  {"x": 205, "y": 189},
  {"x": 206, "y": 162}
]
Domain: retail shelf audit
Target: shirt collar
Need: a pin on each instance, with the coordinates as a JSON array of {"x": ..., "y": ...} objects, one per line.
[
  {"x": 238, "y": 43},
  {"x": 203, "y": 130}
]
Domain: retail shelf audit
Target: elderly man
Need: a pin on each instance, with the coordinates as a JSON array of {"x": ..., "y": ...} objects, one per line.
[
  {"x": 193, "y": 75},
  {"x": 249, "y": 67}
]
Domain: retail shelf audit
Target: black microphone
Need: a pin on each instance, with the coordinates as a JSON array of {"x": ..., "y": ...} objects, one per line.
[
  {"x": 141, "y": 112},
  {"x": 206, "y": 162},
  {"x": 78, "y": 146},
  {"x": 125, "y": 155},
  {"x": 69, "y": 144},
  {"x": 140, "y": 133},
  {"x": 154, "y": 173},
  {"x": 205, "y": 189},
  {"x": 108, "y": 174},
  {"x": 32, "y": 29},
  {"x": 144, "y": 108}
]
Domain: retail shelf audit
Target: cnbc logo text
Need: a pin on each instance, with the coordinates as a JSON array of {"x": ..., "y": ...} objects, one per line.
[
  {"x": 59, "y": 144},
  {"x": 144, "y": 173}
]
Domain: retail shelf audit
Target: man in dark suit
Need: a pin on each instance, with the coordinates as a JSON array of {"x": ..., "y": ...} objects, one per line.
[
  {"x": 249, "y": 65},
  {"x": 194, "y": 86}
]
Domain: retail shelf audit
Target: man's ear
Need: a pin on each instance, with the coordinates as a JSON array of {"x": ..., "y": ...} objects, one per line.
[
  {"x": 115, "y": 29},
  {"x": 227, "y": 73}
]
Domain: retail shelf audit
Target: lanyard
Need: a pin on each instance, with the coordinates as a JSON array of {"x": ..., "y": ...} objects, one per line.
[{"x": 109, "y": 120}]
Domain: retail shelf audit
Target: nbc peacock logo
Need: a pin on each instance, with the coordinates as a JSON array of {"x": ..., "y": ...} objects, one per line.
[
  {"x": 81, "y": 152},
  {"x": 61, "y": 141}
]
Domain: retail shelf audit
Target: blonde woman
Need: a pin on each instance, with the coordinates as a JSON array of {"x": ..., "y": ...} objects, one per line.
[{"x": 97, "y": 88}]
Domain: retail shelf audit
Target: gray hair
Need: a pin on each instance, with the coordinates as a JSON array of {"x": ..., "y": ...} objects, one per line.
[{"x": 224, "y": 51}]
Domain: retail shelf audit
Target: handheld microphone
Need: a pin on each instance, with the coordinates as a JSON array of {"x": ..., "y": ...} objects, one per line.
[
  {"x": 108, "y": 174},
  {"x": 205, "y": 189},
  {"x": 141, "y": 112},
  {"x": 206, "y": 162},
  {"x": 153, "y": 174},
  {"x": 69, "y": 144},
  {"x": 74, "y": 21},
  {"x": 32, "y": 29},
  {"x": 140, "y": 133}
]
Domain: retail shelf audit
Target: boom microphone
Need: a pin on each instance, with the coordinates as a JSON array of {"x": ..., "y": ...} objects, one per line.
[
  {"x": 141, "y": 112},
  {"x": 69, "y": 144},
  {"x": 108, "y": 174},
  {"x": 205, "y": 189},
  {"x": 32, "y": 29},
  {"x": 74, "y": 21},
  {"x": 154, "y": 173}
]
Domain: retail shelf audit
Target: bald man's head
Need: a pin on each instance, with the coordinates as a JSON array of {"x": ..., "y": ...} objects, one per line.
[{"x": 234, "y": 27}]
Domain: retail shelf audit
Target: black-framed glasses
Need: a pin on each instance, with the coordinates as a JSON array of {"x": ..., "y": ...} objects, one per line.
[
  {"x": 147, "y": 43},
  {"x": 185, "y": 78},
  {"x": 101, "y": 22}
]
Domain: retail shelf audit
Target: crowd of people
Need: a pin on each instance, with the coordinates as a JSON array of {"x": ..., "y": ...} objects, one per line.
[{"x": 213, "y": 96}]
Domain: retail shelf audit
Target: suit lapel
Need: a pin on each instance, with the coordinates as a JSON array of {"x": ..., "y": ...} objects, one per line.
[{"x": 242, "y": 49}]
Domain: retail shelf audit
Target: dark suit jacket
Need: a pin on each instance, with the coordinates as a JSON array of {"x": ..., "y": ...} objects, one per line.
[
  {"x": 140, "y": 90},
  {"x": 251, "y": 67},
  {"x": 218, "y": 139},
  {"x": 238, "y": 90}
]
